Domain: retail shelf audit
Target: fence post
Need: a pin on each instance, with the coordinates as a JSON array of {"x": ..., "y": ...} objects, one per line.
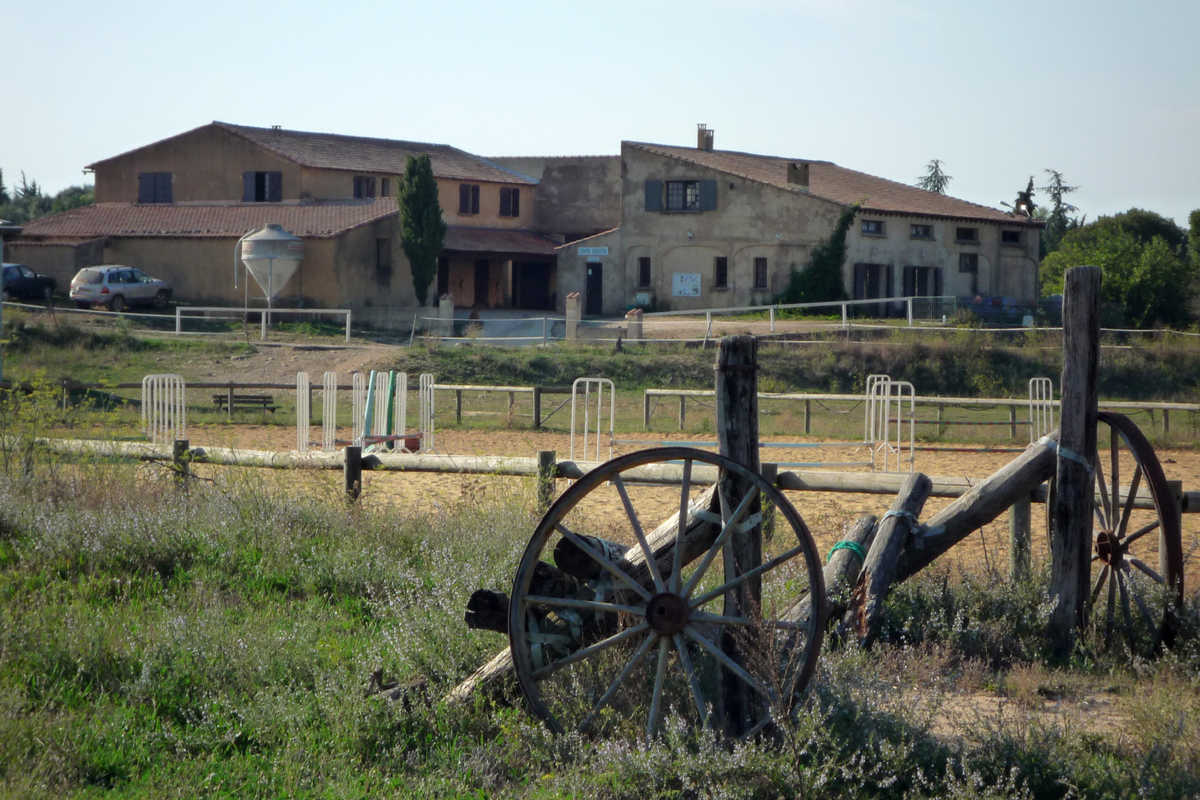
[
  {"x": 1071, "y": 514},
  {"x": 1018, "y": 539},
  {"x": 682, "y": 410},
  {"x": 229, "y": 401},
  {"x": 910, "y": 313},
  {"x": 1012, "y": 421},
  {"x": 547, "y": 472},
  {"x": 178, "y": 321},
  {"x": 808, "y": 416},
  {"x": 1166, "y": 420},
  {"x": 771, "y": 310},
  {"x": 940, "y": 426},
  {"x": 179, "y": 460},
  {"x": 645, "y": 410},
  {"x": 537, "y": 407},
  {"x": 353, "y": 472},
  {"x": 545, "y": 330},
  {"x": 737, "y": 432},
  {"x": 458, "y": 406},
  {"x": 845, "y": 317}
]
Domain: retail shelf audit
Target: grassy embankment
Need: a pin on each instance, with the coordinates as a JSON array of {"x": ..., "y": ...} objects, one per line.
[
  {"x": 219, "y": 643},
  {"x": 956, "y": 363}
]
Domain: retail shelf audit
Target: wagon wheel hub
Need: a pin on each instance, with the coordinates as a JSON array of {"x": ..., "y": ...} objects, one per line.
[
  {"x": 1108, "y": 548},
  {"x": 667, "y": 613}
]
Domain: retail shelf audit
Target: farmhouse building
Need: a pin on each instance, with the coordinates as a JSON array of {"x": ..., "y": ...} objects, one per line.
[
  {"x": 660, "y": 226},
  {"x": 177, "y": 207},
  {"x": 706, "y": 228}
]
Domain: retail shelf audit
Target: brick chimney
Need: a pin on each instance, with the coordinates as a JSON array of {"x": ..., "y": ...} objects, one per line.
[
  {"x": 797, "y": 173},
  {"x": 704, "y": 137}
]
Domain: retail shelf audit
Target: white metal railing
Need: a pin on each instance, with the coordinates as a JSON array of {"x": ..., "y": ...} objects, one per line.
[
  {"x": 164, "y": 407},
  {"x": 223, "y": 312},
  {"x": 303, "y": 415},
  {"x": 328, "y": 410},
  {"x": 358, "y": 406},
  {"x": 1041, "y": 408},
  {"x": 587, "y": 384},
  {"x": 426, "y": 395}
]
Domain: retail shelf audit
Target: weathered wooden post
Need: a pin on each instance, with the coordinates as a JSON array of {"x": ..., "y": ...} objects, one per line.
[
  {"x": 1071, "y": 514},
  {"x": 547, "y": 472},
  {"x": 537, "y": 407},
  {"x": 352, "y": 470},
  {"x": 737, "y": 435},
  {"x": 1018, "y": 539}
]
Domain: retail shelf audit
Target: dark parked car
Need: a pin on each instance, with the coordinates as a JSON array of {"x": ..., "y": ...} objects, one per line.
[{"x": 20, "y": 282}]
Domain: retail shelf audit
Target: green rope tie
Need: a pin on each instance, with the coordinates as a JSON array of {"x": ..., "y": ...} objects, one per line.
[{"x": 853, "y": 547}]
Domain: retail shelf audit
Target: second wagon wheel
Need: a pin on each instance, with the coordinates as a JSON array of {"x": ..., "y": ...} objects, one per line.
[
  {"x": 1137, "y": 541},
  {"x": 617, "y": 626}
]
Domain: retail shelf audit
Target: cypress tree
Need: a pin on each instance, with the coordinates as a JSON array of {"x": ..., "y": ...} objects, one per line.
[{"x": 422, "y": 228}]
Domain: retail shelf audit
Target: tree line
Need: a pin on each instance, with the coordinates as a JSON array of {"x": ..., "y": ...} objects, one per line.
[{"x": 26, "y": 201}]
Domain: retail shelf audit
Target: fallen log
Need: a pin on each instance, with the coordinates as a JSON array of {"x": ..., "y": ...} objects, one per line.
[
  {"x": 865, "y": 611},
  {"x": 841, "y": 573},
  {"x": 979, "y": 506}
]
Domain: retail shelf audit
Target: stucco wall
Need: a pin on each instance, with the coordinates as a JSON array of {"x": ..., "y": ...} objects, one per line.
[
  {"x": 1004, "y": 270},
  {"x": 576, "y": 195},
  {"x": 572, "y": 272},
  {"x": 489, "y": 205},
  {"x": 59, "y": 261},
  {"x": 206, "y": 165},
  {"x": 751, "y": 220}
]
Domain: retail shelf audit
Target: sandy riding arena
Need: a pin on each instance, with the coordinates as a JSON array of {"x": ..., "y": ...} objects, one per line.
[{"x": 826, "y": 514}]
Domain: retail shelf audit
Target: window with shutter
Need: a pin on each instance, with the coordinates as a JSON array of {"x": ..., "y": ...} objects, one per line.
[
  {"x": 154, "y": 187},
  {"x": 644, "y": 272},
  {"x": 720, "y": 272},
  {"x": 262, "y": 187},
  {"x": 760, "y": 272},
  {"x": 364, "y": 186},
  {"x": 510, "y": 202},
  {"x": 468, "y": 198},
  {"x": 654, "y": 195}
]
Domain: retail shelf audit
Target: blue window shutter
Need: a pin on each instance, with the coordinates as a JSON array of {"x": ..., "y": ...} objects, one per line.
[
  {"x": 145, "y": 187},
  {"x": 162, "y": 187},
  {"x": 708, "y": 195},
  {"x": 274, "y": 187},
  {"x": 654, "y": 195},
  {"x": 247, "y": 187},
  {"x": 910, "y": 281}
]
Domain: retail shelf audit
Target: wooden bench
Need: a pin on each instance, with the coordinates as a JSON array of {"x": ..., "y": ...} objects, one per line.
[{"x": 227, "y": 401}]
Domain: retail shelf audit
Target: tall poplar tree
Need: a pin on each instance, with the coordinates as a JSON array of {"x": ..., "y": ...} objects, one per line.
[{"x": 422, "y": 228}]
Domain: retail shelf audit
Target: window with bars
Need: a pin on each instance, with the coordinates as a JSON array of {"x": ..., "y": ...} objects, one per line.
[
  {"x": 873, "y": 227},
  {"x": 760, "y": 272},
  {"x": 644, "y": 272},
  {"x": 920, "y": 232},
  {"x": 683, "y": 195}
]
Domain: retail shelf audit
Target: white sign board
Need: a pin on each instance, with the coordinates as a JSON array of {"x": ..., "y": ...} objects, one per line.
[
  {"x": 593, "y": 251},
  {"x": 685, "y": 284}
]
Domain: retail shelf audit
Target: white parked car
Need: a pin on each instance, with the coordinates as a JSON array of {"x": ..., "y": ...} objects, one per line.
[{"x": 118, "y": 287}]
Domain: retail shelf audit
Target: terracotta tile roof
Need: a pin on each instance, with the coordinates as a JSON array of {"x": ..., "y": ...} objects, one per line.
[
  {"x": 496, "y": 240},
  {"x": 363, "y": 154},
  {"x": 319, "y": 220},
  {"x": 838, "y": 184}
]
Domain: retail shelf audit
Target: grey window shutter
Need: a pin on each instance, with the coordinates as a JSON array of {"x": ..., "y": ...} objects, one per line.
[
  {"x": 708, "y": 195},
  {"x": 516, "y": 202},
  {"x": 274, "y": 187},
  {"x": 247, "y": 187},
  {"x": 890, "y": 270},
  {"x": 162, "y": 187},
  {"x": 654, "y": 195},
  {"x": 860, "y": 281},
  {"x": 937, "y": 281},
  {"x": 145, "y": 187},
  {"x": 910, "y": 281}
]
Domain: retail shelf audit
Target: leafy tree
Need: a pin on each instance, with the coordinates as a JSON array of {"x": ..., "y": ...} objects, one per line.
[
  {"x": 1058, "y": 219},
  {"x": 1147, "y": 277},
  {"x": 72, "y": 197},
  {"x": 821, "y": 280},
  {"x": 421, "y": 224},
  {"x": 934, "y": 179},
  {"x": 3, "y": 191}
]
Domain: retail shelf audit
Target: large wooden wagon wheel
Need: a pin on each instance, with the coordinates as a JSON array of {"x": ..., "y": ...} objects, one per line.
[
  {"x": 615, "y": 628},
  {"x": 1137, "y": 547}
]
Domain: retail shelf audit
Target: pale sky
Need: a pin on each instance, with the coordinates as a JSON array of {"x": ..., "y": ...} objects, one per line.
[{"x": 1107, "y": 92}]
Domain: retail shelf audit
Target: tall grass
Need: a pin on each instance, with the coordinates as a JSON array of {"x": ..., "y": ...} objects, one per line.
[{"x": 219, "y": 642}]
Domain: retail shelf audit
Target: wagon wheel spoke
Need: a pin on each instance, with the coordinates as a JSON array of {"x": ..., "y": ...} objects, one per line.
[
  {"x": 731, "y": 522},
  {"x": 1126, "y": 613},
  {"x": 733, "y": 583},
  {"x": 1140, "y": 532},
  {"x": 622, "y": 676},
  {"x": 677, "y": 555},
  {"x": 1104, "y": 510},
  {"x": 651, "y": 562},
  {"x": 1137, "y": 562},
  {"x": 604, "y": 563},
  {"x": 660, "y": 673},
  {"x": 693, "y": 679},
  {"x": 1141, "y": 604},
  {"x": 728, "y": 663},
  {"x": 1114, "y": 450},
  {"x": 1112, "y": 608},
  {"x": 591, "y": 650},
  {"x": 589, "y": 605},
  {"x": 1099, "y": 585},
  {"x": 1129, "y": 501}
]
